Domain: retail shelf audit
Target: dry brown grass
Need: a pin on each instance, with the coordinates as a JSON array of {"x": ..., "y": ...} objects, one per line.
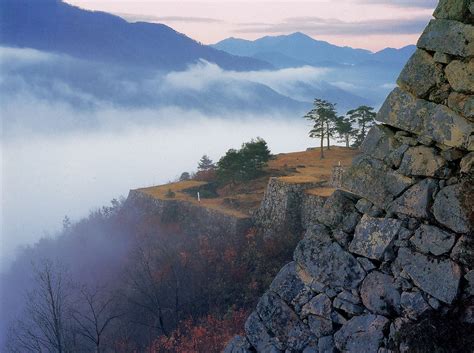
[{"x": 241, "y": 199}]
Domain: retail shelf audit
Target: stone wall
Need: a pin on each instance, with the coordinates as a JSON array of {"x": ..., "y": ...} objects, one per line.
[
  {"x": 191, "y": 218},
  {"x": 388, "y": 265},
  {"x": 282, "y": 207}
]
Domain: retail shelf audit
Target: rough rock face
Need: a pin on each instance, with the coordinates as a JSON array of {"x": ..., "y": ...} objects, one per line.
[{"x": 397, "y": 246}]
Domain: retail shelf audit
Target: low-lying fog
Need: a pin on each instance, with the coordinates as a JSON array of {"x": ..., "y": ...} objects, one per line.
[
  {"x": 77, "y": 134},
  {"x": 48, "y": 177}
]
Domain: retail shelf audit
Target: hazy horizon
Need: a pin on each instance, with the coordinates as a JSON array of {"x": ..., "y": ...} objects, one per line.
[{"x": 366, "y": 24}]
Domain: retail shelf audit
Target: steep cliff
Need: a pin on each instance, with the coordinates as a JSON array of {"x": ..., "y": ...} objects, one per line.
[{"x": 388, "y": 264}]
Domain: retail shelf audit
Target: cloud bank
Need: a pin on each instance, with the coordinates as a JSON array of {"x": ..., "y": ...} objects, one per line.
[{"x": 323, "y": 26}]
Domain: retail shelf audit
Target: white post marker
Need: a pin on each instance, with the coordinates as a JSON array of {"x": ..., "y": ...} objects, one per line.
[{"x": 199, "y": 197}]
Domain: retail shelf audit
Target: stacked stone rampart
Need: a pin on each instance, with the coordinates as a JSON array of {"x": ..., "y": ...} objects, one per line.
[{"x": 389, "y": 266}]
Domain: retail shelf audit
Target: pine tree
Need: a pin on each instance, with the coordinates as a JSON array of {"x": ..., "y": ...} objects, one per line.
[
  {"x": 205, "y": 164},
  {"x": 344, "y": 129},
  {"x": 324, "y": 116},
  {"x": 364, "y": 117}
]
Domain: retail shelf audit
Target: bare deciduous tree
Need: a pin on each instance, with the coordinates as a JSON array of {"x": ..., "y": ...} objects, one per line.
[
  {"x": 94, "y": 314},
  {"x": 43, "y": 327}
]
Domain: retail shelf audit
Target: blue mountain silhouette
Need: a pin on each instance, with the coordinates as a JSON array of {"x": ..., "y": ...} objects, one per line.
[{"x": 54, "y": 26}]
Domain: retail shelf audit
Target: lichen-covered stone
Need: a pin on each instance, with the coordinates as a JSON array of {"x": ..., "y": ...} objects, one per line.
[
  {"x": 452, "y": 154},
  {"x": 326, "y": 262},
  {"x": 470, "y": 282},
  {"x": 373, "y": 236},
  {"x": 394, "y": 158},
  {"x": 422, "y": 117},
  {"x": 326, "y": 345},
  {"x": 452, "y": 9},
  {"x": 417, "y": 200},
  {"x": 339, "y": 211},
  {"x": 361, "y": 334},
  {"x": 442, "y": 58},
  {"x": 467, "y": 164},
  {"x": 420, "y": 74},
  {"x": 453, "y": 207},
  {"x": 348, "y": 307},
  {"x": 320, "y": 305},
  {"x": 379, "y": 142},
  {"x": 320, "y": 326},
  {"x": 238, "y": 344},
  {"x": 463, "y": 251},
  {"x": 282, "y": 322},
  {"x": 424, "y": 161},
  {"x": 414, "y": 305},
  {"x": 462, "y": 104},
  {"x": 439, "y": 278},
  {"x": 258, "y": 336},
  {"x": 451, "y": 37},
  {"x": 287, "y": 284},
  {"x": 461, "y": 76},
  {"x": 379, "y": 294},
  {"x": 433, "y": 240},
  {"x": 375, "y": 181}
]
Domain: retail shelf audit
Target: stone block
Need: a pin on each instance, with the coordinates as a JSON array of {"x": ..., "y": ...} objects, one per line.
[
  {"x": 361, "y": 334},
  {"x": 461, "y": 76},
  {"x": 424, "y": 161},
  {"x": 433, "y": 240},
  {"x": 437, "y": 277},
  {"x": 417, "y": 200},
  {"x": 454, "y": 207},
  {"x": 422, "y": 117},
  {"x": 326, "y": 262},
  {"x": 373, "y": 236},
  {"x": 379, "y": 294},
  {"x": 420, "y": 74},
  {"x": 447, "y": 36}
]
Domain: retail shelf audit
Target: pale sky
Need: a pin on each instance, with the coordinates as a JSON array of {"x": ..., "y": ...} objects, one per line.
[{"x": 369, "y": 24}]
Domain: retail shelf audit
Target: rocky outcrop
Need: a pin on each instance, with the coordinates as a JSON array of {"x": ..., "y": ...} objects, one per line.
[{"x": 395, "y": 250}]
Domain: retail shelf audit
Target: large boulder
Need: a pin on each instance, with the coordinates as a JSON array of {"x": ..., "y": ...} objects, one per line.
[
  {"x": 453, "y": 207},
  {"x": 425, "y": 118},
  {"x": 461, "y": 76},
  {"x": 379, "y": 294},
  {"x": 433, "y": 240},
  {"x": 424, "y": 161},
  {"x": 238, "y": 344},
  {"x": 417, "y": 200},
  {"x": 379, "y": 142},
  {"x": 463, "y": 251},
  {"x": 373, "y": 236},
  {"x": 450, "y": 37},
  {"x": 375, "y": 181},
  {"x": 282, "y": 322},
  {"x": 361, "y": 334},
  {"x": 452, "y": 9},
  {"x": 326, "y": 262},
  {"x": 420, "y": 74},
  {"x": 437, "y": 277},
  {"x": 258, "y": 335},
  {"x": 287, "y": 284},
  {"x": 462, "y": 104},
  {"x": 413, "y": 304},
  {"x": 339, "y": 211}
]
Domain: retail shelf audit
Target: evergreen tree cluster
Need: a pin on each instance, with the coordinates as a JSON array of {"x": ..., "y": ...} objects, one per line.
[
  {"x": 243, "y": 164},
  {"x": 350, "y": 128}
]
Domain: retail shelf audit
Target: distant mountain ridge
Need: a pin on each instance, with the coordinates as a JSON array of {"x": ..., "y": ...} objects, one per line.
[
  {"x": 298, "y": 49},
  {"x": 54, "y": 26}
]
